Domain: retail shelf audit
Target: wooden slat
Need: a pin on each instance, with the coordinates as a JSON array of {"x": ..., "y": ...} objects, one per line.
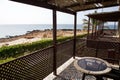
[
  {"x": 35, "y": 66},
  {"x": 70, "y": 6},
  {"x": 45, "y": 5},
  {"x": 92, "y": 6},
  {"x": 38, "y": 65},
  {"x": 108, "y": 16}
]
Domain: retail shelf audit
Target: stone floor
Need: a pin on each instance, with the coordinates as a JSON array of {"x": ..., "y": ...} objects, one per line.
[{"x": 71, "y": 73}]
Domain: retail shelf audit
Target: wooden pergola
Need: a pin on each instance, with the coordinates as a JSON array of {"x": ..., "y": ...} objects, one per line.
[
  {"x": 105, "y": 17},
  {"x": 98, "y": 43},
  {"x": 70, "y": 7}
]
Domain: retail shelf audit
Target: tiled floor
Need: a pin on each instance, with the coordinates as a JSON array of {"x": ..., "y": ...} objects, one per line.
[{"x": 71, "y": 73}]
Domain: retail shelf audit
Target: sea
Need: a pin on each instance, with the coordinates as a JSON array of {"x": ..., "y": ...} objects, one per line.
[{"x": 20, "y": 29}]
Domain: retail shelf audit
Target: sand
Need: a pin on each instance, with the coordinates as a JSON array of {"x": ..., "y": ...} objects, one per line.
[
  {"x": 36, "y": 35},
  {"x": 19, "y": 41}
]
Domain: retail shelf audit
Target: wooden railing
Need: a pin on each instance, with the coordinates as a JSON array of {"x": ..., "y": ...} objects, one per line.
[
  {"x": 102, "y": 44},
  {"x": 31, "y": 67},
  {"x": 37, "y": 65}
]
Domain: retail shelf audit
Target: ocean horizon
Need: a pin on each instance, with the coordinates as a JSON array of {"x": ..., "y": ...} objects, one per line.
[{"x": 20, "y": 29}]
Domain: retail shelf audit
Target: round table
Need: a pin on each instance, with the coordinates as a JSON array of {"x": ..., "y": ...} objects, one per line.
[{"x": 92, "y": 66}]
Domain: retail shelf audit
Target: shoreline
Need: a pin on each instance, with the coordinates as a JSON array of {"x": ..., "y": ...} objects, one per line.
[{"x": 36, "y": 35}]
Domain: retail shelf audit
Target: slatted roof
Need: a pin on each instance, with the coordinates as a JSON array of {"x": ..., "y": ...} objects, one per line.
[
  {"x": 108, "y": 16},
  {"x": 71, "y": 6}
]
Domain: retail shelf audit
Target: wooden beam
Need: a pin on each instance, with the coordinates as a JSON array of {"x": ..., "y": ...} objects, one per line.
[
  {"x": 96, "y": 1},
  {"x": 88, "y": 34},
  {"x": 44, "y": 4},
  {"x": 85, "y": 3},
  {"x": 113, "y": 5},
  {"x": 72, "y": 5},
  {"x": 54, "y": 42},
  {"x": 108, "y": 16},
  {"x": 75, "y": 25}
]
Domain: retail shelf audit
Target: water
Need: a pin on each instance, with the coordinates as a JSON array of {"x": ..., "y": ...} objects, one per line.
[{"x": 20, "y": 29}]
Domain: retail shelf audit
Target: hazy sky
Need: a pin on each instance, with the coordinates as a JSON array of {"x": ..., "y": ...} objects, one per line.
[{"x": 18, "y": 13}]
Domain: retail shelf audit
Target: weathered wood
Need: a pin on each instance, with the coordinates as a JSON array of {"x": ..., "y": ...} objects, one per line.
[
  {"x": 35, "y": 66},
  {"x": 119, "y": 28},
  {"x": 44, "y": 4},
  {"x": 75, "y": 25},
  {"x": 96, "y": 29},
  {"x": 54, "y": 41},
  {"x": 84, "y": 8},
  {"x": 107, "y": 16},
  {"x": 82, "y": 3},
  {"x": 70, "y": 6},
  {"x": 88, "y": 34}
]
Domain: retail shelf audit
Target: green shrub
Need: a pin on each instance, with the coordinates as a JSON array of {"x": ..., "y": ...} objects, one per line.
[{"x": 20, "y": 49}]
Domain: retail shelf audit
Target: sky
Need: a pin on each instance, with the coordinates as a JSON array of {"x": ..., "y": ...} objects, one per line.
[{"x": 18, "y": 13}]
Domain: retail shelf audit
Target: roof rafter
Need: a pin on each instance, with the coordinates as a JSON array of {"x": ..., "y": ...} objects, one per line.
[
  {"x": 107, "y": 16},
  {"x": 86, "y": 3},
  {"x": 71, "y": 6},
  {"x": 105, "y": 5},
  {"x": 44, "y": 4}
]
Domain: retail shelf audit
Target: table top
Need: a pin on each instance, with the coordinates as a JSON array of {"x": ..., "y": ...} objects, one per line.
[{"x": 92, "y": 65}]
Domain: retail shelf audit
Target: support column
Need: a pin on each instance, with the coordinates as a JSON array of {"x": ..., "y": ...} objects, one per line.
[
  {"x": 119, "y": 40},
  {"x": 103, "y": 28},
  {"x": 99, "y": 29},
  {"x": 118, "y": 1},
  {"x": 96, "y": 29},
  {"x": 54, "y": 42},
  {"x": 114, "y": 27},
  {"x": 119, "y": 33},
  {"x": 88, "y": 35},
  {"x": 75, "y": 25},
  {"x": 92, "y": 31}
]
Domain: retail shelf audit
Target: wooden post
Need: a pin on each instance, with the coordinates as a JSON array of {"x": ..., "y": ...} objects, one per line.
[
  {"x": 118, "y": 1},
  {"x": 119, "y": 33},
  {"x": 103, "y": 28},
  {"x": 88, "y": 35},
  {"x": 54, "y": 43},
  {"x": 98, "y": 34},
  {"x": 92, "y": 31},
  {"x": 96, "y": 29},
  {"x": 114, "y": 27},
  {"x": 75, "y": 25}
]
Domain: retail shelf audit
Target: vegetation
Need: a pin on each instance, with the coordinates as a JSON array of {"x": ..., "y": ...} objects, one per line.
[
  {"x": 93, "y": 23},
  {"x": 85, "y": 24},
  {"x": 8, "y": 53}
]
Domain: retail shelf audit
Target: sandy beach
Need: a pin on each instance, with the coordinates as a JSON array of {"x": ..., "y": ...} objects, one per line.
[{"x": 36, "y": 35}]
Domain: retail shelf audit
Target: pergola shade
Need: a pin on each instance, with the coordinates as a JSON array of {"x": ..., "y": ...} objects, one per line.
[
  {"x": 71, "y": 6},
  {"x": 108, "y": 16}
]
